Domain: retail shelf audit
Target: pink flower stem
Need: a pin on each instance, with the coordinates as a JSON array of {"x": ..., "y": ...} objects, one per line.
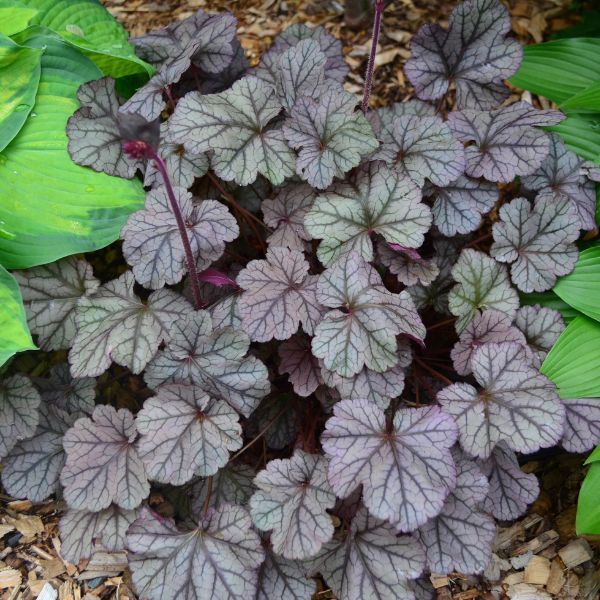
[{"x": 372, "y": 55}]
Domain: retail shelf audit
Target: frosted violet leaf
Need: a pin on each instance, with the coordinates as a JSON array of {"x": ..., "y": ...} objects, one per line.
[
  {"x": 379, "y": 201},
  {"x": 95, "y": 134},
  {"x": 482, "y": 284},
  {"x": 421, "y": 148},
  {"x": 542, "y": 327},
  {"x": 149, "y": 101},
  {"x": 214, "y": 360},
  {"x": 225, "y": 312},
  {"x": 50, "y": 295},
  {"x": 460, "y": 537},
  {"x": 488, "y": 326},
  {"x": 33, "y": 466},
  {"x": 582, "y": 424},
  {"x": 236, "y": 126},
  {"x": 103, "y": 465},
  {"x": 459, "y": 206},
  {"x": 152, "y": 242},
  {"x": 362, "y": 328},
  {"x": 19, "y": 416},
  {"x": 511, "y": 491},
  {"x": 517, "y": 404},
  {"x": 473, "y": 54},
  {"x": 330, "y": 136},
  {"x": 113, "y": 324},
  {"x": 560, "y": 176},
  {"x": 285, "y": 214},
  {"x": 291, "y": 501},
  {"x": 278, "y": 296},
  {"x": 183, "y": 168},
  {"x": 408, "y": 266},
  {"x": 538, "y": 241},
  {"x": 82, "y": 532},
  {"x": 183, "y": 432},
  {"x": 372, "y": 562},
  {"x": 73, "y": 395},
  {"x": 504, "y": 143},
  {"x": 232, "y": 484},
  {"x": 280, "y": 578},
  {"x": 382, "y": 119},
  {"x": 406, "y": 470},
  {"x": 217, "y": 559},
  {"x": 297, "y": 360},
  {"x": 277, "y": 416},
  {"x": 423, "y": 589}
]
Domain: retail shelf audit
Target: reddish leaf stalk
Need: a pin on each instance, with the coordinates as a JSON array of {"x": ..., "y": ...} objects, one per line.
[{"x": 372, "y": 54}]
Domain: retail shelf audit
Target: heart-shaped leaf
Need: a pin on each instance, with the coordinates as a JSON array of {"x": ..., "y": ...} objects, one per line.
[
  {"x": 297, "y": 360},
  {"x": 541, "y": 326}
]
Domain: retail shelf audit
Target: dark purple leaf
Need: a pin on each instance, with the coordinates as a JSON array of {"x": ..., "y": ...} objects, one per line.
[
  {"x": 73, "y": 395},
  {"x": 407, "y": 264},
  {"x": 297, "y": 360}
]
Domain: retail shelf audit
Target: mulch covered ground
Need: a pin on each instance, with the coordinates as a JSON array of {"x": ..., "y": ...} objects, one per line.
[{"x": 538, "y": 557}]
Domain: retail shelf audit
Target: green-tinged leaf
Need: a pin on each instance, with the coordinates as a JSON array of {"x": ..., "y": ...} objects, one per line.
[
  {"x": 573, "y": 364},
  {"x": 581, "y": 133},
  {"x": 559, "y": 69},
  {"x": 598, "y": 203},
  {"x": 589, "y": 26},
  {"x": 19, "y": 79},
  {"x": 588, "y": 507},
  {"x": 581, "y": 288},
  {"x": 50, "y": 206},
  {"x": 586, "y": 101},
  {"x": 14, "y": 16},
  {"x": 88, "y": 26},
  {"x": 14, "y": 334},
  {"x": 550, "y": 300}
]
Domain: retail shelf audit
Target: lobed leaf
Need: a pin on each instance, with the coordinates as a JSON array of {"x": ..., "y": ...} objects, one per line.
[
  {"x": 296, "y": 359},
  {"x": 277, "y": 416},
  {"x": 542, "y": 327},
  {"x": 67, "y": 393},
  {"x": 282, "y": 578},
  {"x": 582, "y": 424},
  {"x": 408, "y": 265}
]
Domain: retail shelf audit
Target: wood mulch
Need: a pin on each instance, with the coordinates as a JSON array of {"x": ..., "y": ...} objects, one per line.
[{"x": 538, "y": 557}]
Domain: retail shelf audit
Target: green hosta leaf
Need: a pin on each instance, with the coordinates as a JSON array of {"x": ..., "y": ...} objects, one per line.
[
  {"x": 19, "y": 78},
  {"x": 14, "y": 16},
  {"x": 581, "y": 288},
  {"x": 581, "y": 133},
  {"x": 550, "y": 300},
  {"x": 14, "y": 335},
  {"x": 51, "y": 207},
  {"x": 559, "y": 69},
  {"x": 586, "y": 101},
  {"x": 588, "y": 507}
]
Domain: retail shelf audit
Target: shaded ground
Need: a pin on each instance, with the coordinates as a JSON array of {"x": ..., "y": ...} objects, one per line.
[{"x": 538, "y": 557}]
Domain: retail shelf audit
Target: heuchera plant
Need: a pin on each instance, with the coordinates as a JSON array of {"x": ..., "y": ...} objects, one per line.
[{"x": 321, "y": 317}]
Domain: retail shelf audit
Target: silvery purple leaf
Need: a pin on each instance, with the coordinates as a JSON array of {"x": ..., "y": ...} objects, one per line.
[
  {"x": 487, "y": 326},
  {"x": 459, "y": 206},
  {"x": 362, "y": 329},
  {"x": 225, "y": 312},
  {"x": 216, "y": 560},
  {"x": 582, "y": 424},
  {"x": 330, "y": 136},
  {"x": 184, "y": 433},
  {"x": 113, "y": 324},
  {"x": 504, "y": 143},
  {"x": 102, "y": 464},
  {"x": 152, "y": 242},
  {"x": 236, "y": 126},
  {"x": 278, "y": 417},
  {"x": 19, "y": 416},
  {"x": 94, "y": 131},
  {"x": 149, "y": 101},
  {"x": 423, "y": 589},
  {"x": 409, "y": 266},
  {"x": 285, "y": 214},
  {"x": 297, "y": 360},
  {"x": 214, "y": 360},
  {"x": 511, "y": 490},
  {"x": 291, "y": 501},
  {"x": 371, "y": 562},
  {"x": 406, "y": 471},
  {"x": 460, "y": 537},
  {"x": 83, "y": 532},
  {"x": 383, "y": 118},
  {"x": 73, "y": 395},
  {"x": 542, "y": 327},
  {"x": 517, "y": 404},
  {"x": 283, "y": 579},
  {"x": 379, "y": 201},
  {"x": 32, "y": 468},
  {"x": 563, "y": 175},
  {"x": 50, "y": 295},
  {"x": 538, "y": 241},
  {"x": 473, "y": 54},
  {"x": 232, "y": 484},
  {"x": 482, "y": 284},
  {"x": 421, "y": 148},
  {"x": 278, "y": 296},
  {"x": 183, "y": 168}
]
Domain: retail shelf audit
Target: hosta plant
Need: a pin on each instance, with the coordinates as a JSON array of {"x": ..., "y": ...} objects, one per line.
[{"x": 322, "y": 368}]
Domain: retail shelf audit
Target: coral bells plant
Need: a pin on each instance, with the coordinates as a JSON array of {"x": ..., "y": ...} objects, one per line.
[{"x": 329, "y": 372}]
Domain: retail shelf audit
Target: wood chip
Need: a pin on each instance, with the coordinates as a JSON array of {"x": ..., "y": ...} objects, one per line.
[
  {"x": 537, "y": 570},
  {"x": 537, "y": 544},
  {"x": 4, "y": 529},
  {"x": 105, "y": 564},
  {"x": 576, "y": 553},
  {"x": 557, "y": 578},
  {"x": 438, "y": 581},
  {"x": 28, "y": 525},
  {"x": 526, "y": 591},
  {"x": 468, "y": 595},
  {"x": 10, "y": 578}
]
